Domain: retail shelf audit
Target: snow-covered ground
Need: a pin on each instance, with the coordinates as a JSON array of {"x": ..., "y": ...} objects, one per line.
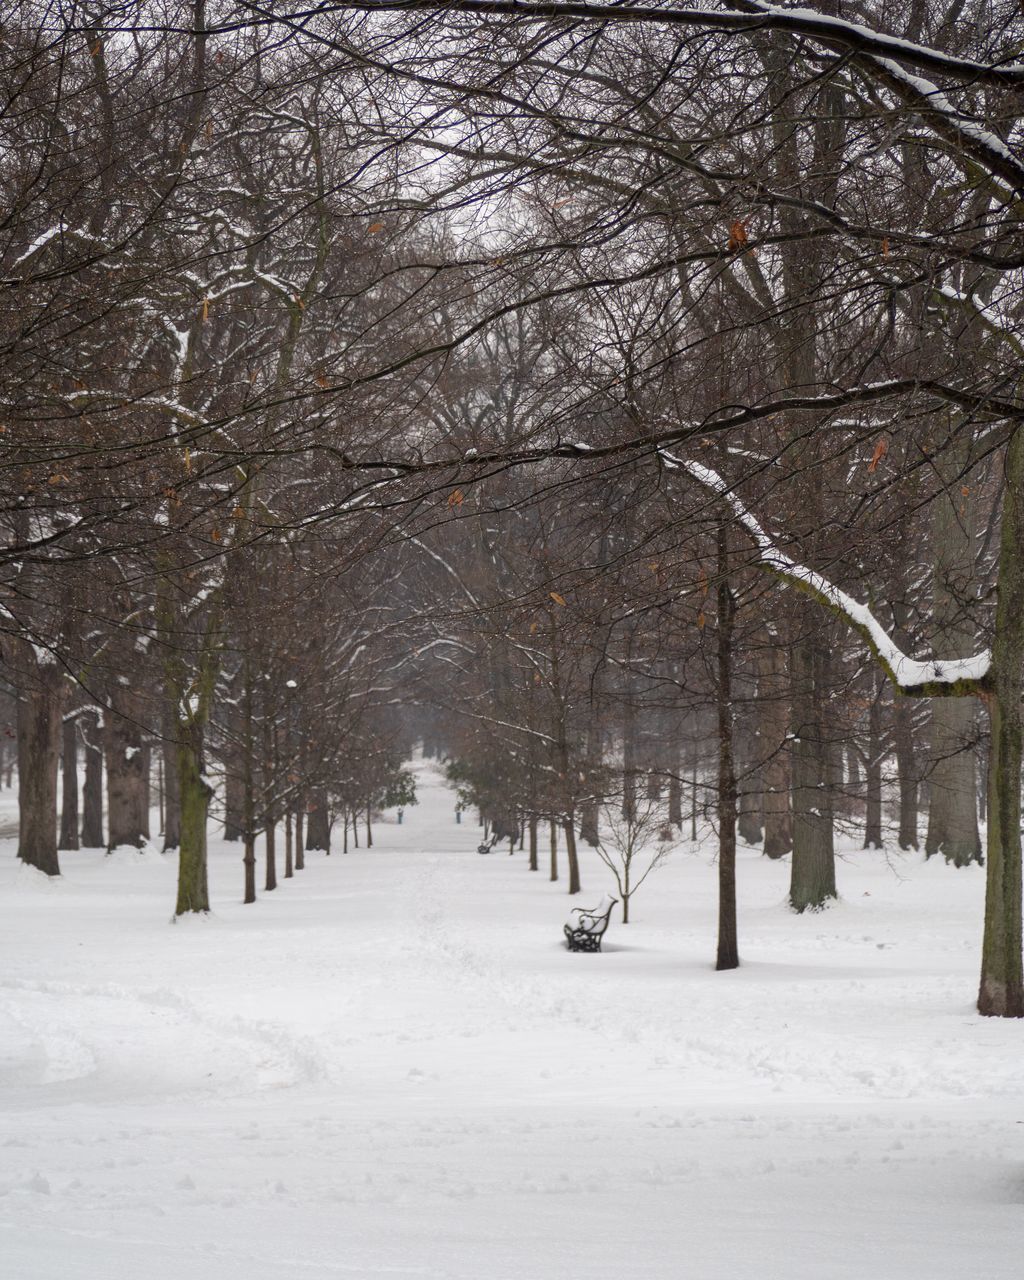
[{"x": 392, "y": 1067}]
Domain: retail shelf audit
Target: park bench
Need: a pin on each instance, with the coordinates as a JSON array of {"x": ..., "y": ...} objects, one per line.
[{"x": 585, "y": 931}]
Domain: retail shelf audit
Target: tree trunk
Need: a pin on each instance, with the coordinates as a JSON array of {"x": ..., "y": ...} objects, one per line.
[
  {"x": 234, "y": 800},
  {"x": 126, "y": 783},
  {"x": 39, "y": 744},
  {"x": 873, "y": 773},
  {"x": 289, "y": 867},
  {"x": 629, "y": 761},
  {"x": 69, "y": 789},
  {"x": 588, "y": 822},
  {"x": 300, "y": 846},
  {"x": 554, "y": 850},
  {"x": 248, "y": 790},
  {"x": 952, "y": 784},
  {"x": 728, "y": 947},
  {"x": 675, "y": 797},
  {"x": 533, "y": 844},
  {"x": 369, "y": 829},
  {"x": 92, "y": 787},
  {"x": 249, "y": 862},
  {"x": 693, "y": 787},
  {"x": 749, "y": 795},
  {"x": 270, "y": 846},
  {"x": 318, "y": 835},
  {"x": 194, "y": 803},
  {"x": 907, "y": 769},
  {"x": 1001, "y": 992},
  {"x": 570, "y": 854},
  {"x": 773, "y": 711},
  {"x": 172, "y": 789},
  {"x": 813, "y": 869}
]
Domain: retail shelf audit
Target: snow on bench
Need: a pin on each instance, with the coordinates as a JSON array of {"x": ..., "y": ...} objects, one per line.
[{"x": 584, "y": 933}]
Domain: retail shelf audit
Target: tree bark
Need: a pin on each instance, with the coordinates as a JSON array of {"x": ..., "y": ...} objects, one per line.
[
  {"x": 533, "y": 843},
  {"x": 907, "y": 769},
  {"x": 270, "y": 846},
  {"x": 126, "y": 783},
  {"x": 39, "y": 744},
  {"x": 813, "y": 870},
  {"x": 571, "y": 855},
  {"x": 675, "y": 796},
  {"x": 554, "y": 850},
  {"x": 194, "y": 803},
  {"x": 952, "y": 784},
  {"x": 92, "y": 787},
  {"x": 728, "y": 946},
  {"x": 749, "y": 795},
  {"x": 300, "y": 837},
  {"x": 234, "y": 800},
  {"x": 69, "y": 788},
  {"x": 1001, "y": 992},
  {"x": 774, "y": 717},
  {"x": 873, "y": 772},
  {"x": 318, "y": 835},
  {"x": 172, "y": 789},
  {"x": 629, "y": 761}
]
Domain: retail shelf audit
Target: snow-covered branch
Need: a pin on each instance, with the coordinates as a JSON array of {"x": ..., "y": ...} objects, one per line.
[
  {"x": 938, "y": 677},
  {"x": 800, "y": 21}
]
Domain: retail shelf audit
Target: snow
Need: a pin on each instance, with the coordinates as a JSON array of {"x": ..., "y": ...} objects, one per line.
[
  {"x": 38, "y": 243},
  {"x": 985, "y": 140},
  {"x": 393, "y": 1067},
  {"x": 908, "y": 673}
]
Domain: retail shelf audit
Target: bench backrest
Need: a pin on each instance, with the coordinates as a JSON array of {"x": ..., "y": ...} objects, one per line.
[{"x": 593, "y": 919}]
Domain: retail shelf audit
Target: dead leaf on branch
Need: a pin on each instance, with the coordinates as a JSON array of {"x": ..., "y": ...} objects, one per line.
[{"x": 737, "y": 235}]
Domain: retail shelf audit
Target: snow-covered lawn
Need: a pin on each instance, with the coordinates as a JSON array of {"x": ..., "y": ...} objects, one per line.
[{"x": 392, "y": 1067}]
